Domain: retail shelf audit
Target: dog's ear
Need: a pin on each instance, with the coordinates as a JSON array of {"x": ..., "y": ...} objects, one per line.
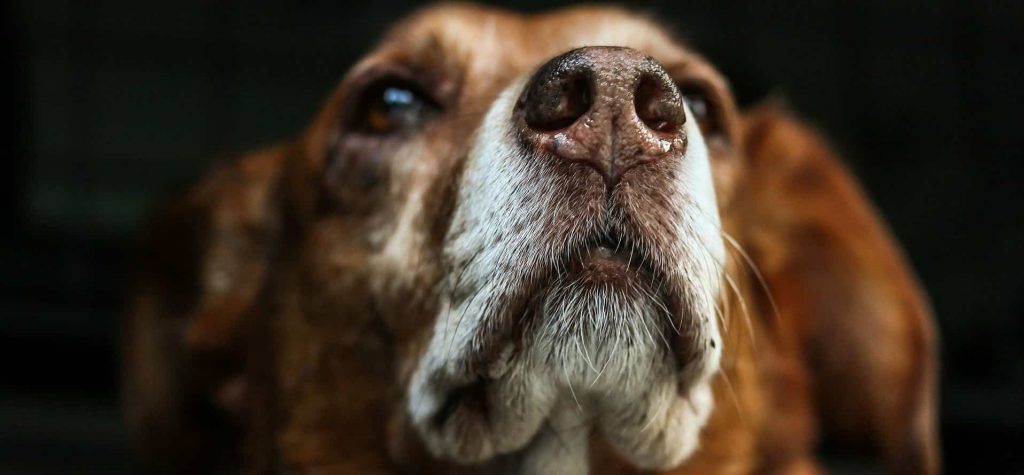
[
  {"x": 842, "y": 286},
  {"x": 203, "y": 260}
]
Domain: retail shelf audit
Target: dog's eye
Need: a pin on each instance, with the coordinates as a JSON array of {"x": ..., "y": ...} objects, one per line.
[
  {"x": 391, "y": 105},
  {"x": 375, "y": 121},
  {"x": 703, "y": 107}
]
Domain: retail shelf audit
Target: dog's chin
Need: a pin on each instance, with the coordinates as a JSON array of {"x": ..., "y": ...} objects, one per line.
[{"x": 595, "y": 351}]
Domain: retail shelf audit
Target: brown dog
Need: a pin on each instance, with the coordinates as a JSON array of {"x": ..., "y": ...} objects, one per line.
[{"x": 529, "y": 244}]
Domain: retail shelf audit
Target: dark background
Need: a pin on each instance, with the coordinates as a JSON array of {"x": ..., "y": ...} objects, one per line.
[{"x": 112, "y": 105}]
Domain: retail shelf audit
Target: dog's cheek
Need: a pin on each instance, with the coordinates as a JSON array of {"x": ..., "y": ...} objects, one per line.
[{"x": 405, "y": 267}]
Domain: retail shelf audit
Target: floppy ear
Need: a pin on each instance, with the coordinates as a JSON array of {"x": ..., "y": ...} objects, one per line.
[
  {"x": 840, "y": 282},
  {"x": 202, "y": 263}
]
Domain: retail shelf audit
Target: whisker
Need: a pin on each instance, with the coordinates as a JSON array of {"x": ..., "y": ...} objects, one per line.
[
  {"x": 730, "y": 240},
  {"x": 743, "y": 306},
  {"x": 720, "y": 315},
  {"x": 726, "y": 305},
  {"x": 757, "y": 273},
  {"x": 725, "y": 300},
  {"x": 600, "y": 373},
  {"x": 565, "y": 371},
  {"x": 735, "y": 399},
  {"x": 585, "y": 354}
]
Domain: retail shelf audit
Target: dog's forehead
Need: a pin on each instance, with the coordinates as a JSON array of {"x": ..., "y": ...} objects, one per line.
[{"x": 483, "y": 42}]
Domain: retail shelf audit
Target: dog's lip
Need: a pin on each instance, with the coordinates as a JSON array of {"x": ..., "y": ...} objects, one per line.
[
  {"x": 603, "y": 260},
  {"x": 600, "y": 262},
  {"x": 602, "y": 252}
]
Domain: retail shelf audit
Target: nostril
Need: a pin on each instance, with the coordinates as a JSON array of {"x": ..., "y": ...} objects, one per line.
[
  {"x": 658, "y": 105},
  {"x": 554, "y": 103}
]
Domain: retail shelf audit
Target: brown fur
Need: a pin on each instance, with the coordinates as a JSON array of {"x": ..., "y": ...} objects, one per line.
[{"x": 262, "y": 337}]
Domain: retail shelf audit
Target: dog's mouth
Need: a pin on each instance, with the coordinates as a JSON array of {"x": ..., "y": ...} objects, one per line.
[
  {"x": 611, "y": 265},
  {"x": 607, "y": 260}
]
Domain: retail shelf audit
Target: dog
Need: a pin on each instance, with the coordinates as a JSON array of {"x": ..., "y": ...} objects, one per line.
[{"x": 529, "y": 244}]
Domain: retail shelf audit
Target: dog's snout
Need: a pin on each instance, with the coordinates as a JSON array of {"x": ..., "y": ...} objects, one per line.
[{"x": 607, "y": 107}]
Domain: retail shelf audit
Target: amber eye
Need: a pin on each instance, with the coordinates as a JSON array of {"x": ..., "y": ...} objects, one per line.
[
  {"x": 704, "y": 109},
  {"x": 391, "y": 105}
]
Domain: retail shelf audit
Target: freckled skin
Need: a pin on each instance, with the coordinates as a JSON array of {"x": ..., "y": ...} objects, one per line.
[{"x": 284, "y": 304}]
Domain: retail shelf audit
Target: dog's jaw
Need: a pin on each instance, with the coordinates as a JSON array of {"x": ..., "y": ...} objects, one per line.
[{"x": 520, "y": 362}]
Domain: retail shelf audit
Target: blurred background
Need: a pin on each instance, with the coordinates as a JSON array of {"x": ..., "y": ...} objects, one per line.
[{"x": 113, "y": 105}]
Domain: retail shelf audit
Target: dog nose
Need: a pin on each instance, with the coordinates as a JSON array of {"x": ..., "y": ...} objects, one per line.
[{"x": 607, "y": 107}]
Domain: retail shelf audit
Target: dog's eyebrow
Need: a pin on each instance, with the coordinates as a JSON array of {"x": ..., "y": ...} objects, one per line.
[{"x": 424, "y": 60}]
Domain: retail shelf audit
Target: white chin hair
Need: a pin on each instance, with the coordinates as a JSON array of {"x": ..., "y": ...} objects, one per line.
[
  {"x": 594, "y": 357},
  {"x": 602, "y": 340},
  {"x": 607, "y": 352}
]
